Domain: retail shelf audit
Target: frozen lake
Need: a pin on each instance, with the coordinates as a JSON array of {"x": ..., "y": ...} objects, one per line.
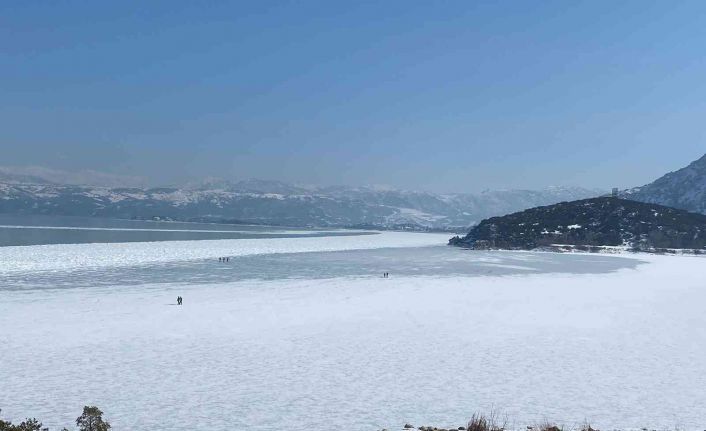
[
  {"x": 303, "y": 333},
  {"x": 38, "y": 230}
]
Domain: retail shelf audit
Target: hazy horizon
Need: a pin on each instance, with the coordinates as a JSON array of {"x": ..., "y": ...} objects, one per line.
[
  {"x": 459, "y": 97},
  {"x": 91, "y": 177}
]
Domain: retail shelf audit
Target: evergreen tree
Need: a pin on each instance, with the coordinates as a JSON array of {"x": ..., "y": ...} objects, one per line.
[{"x": 92, "y": 420}]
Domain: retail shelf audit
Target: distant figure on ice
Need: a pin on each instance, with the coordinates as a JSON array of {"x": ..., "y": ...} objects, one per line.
[
  {"x": 179, "y": 300},
  {"x": 220, "y": 259}
]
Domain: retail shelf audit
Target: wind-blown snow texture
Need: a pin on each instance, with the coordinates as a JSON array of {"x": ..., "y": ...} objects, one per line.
[{"x": 622, "y": 349}]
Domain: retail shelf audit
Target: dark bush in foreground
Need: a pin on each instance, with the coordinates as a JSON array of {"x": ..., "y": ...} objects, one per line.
[
  {"x": 27, "y": 425},
  {"x": 90, "y": 420}
]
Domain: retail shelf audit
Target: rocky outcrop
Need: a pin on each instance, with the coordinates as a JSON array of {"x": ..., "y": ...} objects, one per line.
[
  {"x": 684, "y": 188},
  {"x": 604, "y": 221}
]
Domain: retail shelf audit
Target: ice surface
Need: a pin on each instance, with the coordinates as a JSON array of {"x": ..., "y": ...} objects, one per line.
[
  {"x": 56, "y": 257},
  {"x": 623, "y": 349}
]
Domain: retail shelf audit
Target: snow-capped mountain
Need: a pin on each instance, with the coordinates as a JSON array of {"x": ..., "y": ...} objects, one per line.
[
  {"x": 685, "y": 188},
  {"x": 277, "y": 203}
]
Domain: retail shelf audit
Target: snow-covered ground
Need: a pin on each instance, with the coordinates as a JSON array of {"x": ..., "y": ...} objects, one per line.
[{"x": 624, "y": 349}]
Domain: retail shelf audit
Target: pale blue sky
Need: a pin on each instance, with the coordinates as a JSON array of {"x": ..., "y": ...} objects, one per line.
[{"x": 442, "y": 96}]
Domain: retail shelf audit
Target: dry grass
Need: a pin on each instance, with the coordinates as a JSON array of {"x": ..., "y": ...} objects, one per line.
[{"x": 490, "y": 422}]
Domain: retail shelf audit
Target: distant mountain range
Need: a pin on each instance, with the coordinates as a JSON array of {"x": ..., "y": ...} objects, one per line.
[
  {"x": 39, "y": 190},
  {"x": 685, "y": 189},
  {"x": 273, "y": 202},
  {"x": 604, "y": 221}
]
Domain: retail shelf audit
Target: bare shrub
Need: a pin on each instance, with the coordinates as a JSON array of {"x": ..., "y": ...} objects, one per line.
[{"x": 490, "y": 422}]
